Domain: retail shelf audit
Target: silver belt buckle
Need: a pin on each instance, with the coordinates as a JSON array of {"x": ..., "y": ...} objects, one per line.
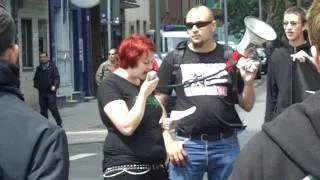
[{"x": 203, "y": 136}]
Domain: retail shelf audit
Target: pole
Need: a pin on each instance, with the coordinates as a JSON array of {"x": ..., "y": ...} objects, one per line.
[
  {"x": 109, "y": 23},
  {"x": 260, "y": 9},
  {"x": 226, "y": 21},
  {"x": 157, "y": 8}
]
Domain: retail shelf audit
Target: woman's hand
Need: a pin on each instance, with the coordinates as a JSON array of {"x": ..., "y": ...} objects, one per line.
[
  {"x": 176, "y": 153},
  {"x": 149, "y": 84}
]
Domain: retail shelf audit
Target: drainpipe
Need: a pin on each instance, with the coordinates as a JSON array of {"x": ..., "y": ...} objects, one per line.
[
  {"x": 226, "y": 22},
  {"x": 157, "y": 8},
  {"x": 109, "y": 23}
]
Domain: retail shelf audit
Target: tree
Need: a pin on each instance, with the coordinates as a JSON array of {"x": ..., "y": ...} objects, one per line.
[
  {"x": 237, "y": 10},
  {"x": 272, "y": 13}
]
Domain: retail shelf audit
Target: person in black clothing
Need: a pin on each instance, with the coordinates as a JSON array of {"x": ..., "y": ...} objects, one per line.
[
  {"x": 134, "y": 148},
  {"x": 206, "y": 141},
  {"x": 30, "y": 146},
  {"x": 283, "y": 85},
  {"x": 288, "y": 147},
  {"x": 47, "y": 80}
]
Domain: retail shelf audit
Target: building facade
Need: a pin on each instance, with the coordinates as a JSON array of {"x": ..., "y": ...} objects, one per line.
[
  {"x": 137, "y": 20},
  {"x": 31, "y": 17}
]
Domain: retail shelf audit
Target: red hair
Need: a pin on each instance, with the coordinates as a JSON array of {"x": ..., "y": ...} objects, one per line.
[{"x": 132, "y": 48}]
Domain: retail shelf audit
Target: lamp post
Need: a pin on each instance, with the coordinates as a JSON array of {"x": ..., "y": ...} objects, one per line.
[
  {"x": 109, "y": 23},
  {"x": 226, "y": 22},
  {"x": 260, "y": 9},
  {"x": 157, "y": 7}
]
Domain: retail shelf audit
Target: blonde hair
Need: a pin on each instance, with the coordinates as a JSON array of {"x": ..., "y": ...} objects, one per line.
[
  {"x": 313, "y": 21},
  {"x": 297, "y": 11}
]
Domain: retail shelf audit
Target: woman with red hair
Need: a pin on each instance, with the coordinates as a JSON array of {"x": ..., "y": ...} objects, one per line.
[{"x": 134, "y": 147}]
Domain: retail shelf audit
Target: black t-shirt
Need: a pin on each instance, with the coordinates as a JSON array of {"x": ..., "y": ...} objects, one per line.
[
  {"x": 213, "y": 97},
  {"x": 146, "y": 144}
]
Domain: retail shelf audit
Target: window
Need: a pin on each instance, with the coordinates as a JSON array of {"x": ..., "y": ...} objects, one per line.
[
  {"x": 43, "y": 33},
  {"x": 131, "y": 29},
  {"x": 27, "y": 51},
  {"x": 167, "y": 6},
  {"x": 144, "y": 27},
  {"x": 138, "y": 26}
]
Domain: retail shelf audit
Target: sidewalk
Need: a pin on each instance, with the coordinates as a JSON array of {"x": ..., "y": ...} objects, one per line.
[{"x": 83, "y": 124}]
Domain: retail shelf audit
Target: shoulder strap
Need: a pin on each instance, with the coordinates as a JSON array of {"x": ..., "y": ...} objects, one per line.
[{"x": 177, "y": 58}]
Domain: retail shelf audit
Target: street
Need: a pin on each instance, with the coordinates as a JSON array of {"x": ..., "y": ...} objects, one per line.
[
  {"x": 86, "y": 158},
  {"x": 85, "y": 161}
]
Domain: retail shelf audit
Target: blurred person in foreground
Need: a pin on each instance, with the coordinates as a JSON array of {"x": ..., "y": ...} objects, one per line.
[
  {"x": 30, "y": 146},
  {"x": 289, "y": 146},
  {"x": 134, "y": 147},
  {"x": 206, "y": 141},
  {"x": 107, "y": 66},
  {"x": 283, "y": 85}
]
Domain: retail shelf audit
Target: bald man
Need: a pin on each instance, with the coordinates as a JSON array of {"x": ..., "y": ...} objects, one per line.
[{"x": 206, "y": 141}]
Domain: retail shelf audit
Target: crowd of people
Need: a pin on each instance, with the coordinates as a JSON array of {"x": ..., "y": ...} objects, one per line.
[{"x": 143, "y": 141}]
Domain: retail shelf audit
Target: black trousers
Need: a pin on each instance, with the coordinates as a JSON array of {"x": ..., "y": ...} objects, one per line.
[{"x": 48, "y": 101}]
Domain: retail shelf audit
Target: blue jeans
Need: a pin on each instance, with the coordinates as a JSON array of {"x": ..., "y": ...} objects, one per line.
[{"x": 214, "y": 157}]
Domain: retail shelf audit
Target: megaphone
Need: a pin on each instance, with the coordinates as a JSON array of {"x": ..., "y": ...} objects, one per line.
[
  {"x": 257, "y": 32},
  {"x": 85, "y": 3}
]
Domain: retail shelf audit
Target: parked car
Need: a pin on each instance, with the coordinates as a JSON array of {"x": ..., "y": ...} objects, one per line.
[{"x": 262, "y": 57}]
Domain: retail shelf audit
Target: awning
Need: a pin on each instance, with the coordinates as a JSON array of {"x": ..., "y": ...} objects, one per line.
[{"x": 125, "y": 4}]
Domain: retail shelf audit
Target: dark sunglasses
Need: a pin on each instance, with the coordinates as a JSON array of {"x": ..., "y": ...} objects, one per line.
[
  {"x": 112, "y": 53},
  {"x": 198, "y": 24},
  {"x": 293, "y": 23}
]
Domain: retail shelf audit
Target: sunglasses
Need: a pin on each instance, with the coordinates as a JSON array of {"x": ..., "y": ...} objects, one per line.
[
  {"x": 198, "y": 24},
  {"x": 112, "y": 53},
  {"x": 293, "y": 23}
]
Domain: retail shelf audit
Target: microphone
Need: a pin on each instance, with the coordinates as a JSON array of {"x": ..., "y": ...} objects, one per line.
[{"x": 152, "y": 75}]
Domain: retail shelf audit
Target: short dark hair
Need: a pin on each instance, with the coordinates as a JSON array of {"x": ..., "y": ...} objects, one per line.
[
  {"x": 43, "y": 52},
  {"x": 7, "y": 29}
]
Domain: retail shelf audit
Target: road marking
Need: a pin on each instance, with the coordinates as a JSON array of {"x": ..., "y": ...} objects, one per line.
[
  {"x": 80, "y": 156},
  {"x": 87, "y": 132}
]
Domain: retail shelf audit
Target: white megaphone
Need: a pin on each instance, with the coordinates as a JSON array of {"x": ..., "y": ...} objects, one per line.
[
  {"x": 257, "y": 32},
  {"x": 85, "y": 3}
]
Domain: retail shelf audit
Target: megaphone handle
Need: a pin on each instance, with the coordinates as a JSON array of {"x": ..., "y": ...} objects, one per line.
[{"x": 235, "y": 56}]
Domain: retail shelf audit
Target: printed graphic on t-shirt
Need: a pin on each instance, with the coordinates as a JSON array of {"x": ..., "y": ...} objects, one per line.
[
  {"x": 151, "y": 101},
  {"x": 212, "y": 85}
]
